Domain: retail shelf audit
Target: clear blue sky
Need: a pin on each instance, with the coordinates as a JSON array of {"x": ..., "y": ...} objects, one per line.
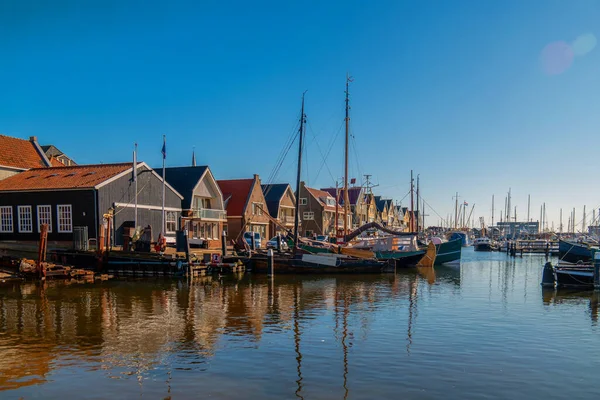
[{"x": 457, "y": 91}]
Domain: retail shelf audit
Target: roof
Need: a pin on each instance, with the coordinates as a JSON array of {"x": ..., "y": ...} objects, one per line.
[
  {"x": 236, "y": 193},
  {"x": 353, "y": 194},
  {"x": 20, "y": 153},
  {"x": 51, "y": 150},
  {"x": 317, "y": 194},
  {"x": 273, "y": 194},
  {"x": 75, "y": 177},
  {"x": 380, "y": 203},
  {"x": 184, "y": 180}
]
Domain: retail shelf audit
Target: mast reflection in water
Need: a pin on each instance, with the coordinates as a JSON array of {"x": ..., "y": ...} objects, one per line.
[{"x": 476, "y": 329}]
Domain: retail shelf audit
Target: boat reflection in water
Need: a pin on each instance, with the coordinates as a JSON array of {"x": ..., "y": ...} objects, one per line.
[{"x": 558, "y": 297}]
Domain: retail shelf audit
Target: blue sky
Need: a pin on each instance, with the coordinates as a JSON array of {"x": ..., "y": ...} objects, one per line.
[{"x": 457, "y": 91}]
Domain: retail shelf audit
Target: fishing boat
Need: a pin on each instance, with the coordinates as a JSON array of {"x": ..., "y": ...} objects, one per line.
[
  {"x": 574, "y": 252},
  {"x": 463, "y": 236},
  {"x": 449, "y": 252},
  {"x": 482, "y": 244},
  {"x": 301, "y": 260},
  {"x": 568, "y": 275}
]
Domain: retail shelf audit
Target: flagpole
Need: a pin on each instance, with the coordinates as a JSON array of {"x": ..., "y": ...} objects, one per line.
[
  {"x": 135, "y": 215},
  {"x": 162, "y": 228}
]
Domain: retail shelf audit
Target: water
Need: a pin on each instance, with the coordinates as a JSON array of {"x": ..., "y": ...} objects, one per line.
[{"x": 484, "y": 331}]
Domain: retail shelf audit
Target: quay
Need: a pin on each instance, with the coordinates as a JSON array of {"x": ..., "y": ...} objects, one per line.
[{"x": 527, "y": 246}]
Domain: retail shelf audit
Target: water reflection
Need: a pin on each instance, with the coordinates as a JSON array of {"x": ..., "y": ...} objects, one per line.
[
  {"x": 573, "y": 297},
  {"x": 345, "y": 336}
]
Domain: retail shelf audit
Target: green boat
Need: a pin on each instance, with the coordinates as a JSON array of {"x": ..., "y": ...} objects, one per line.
[{"x": 449, "y": 252}]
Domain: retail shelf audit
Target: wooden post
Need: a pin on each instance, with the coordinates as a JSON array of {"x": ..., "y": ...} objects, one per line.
[
  {"x": 597, "y": 270},
  {"x": 279, "y": 242},
  {"x": 42, "y": 251},
  {"x": 270, "y": 262},
  {"x": 224, "y": 244}
]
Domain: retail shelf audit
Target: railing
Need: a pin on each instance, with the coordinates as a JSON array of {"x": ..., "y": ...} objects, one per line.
[
  {"x": 287, "y": 219},
  {"x": 208, "y": 213}
]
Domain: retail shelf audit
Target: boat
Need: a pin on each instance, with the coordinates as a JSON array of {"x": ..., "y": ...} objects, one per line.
[
  {"x": 401, "y": 259},
  {"x": 574, "y": 252},
  {"x": 482, "y": 244},
  {"x": 568, "y": 275},
  {"x": 449, "y": 252},
  {"x": 463, "y": 236}
]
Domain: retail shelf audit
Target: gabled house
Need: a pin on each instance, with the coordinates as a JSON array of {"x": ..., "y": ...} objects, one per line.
[
  {"x": 382, "y": 210},
  {"x": 356, "y": 199},
  {"x": 281, "y": 203},
  {"x": 18, "y": 155},
  {"x": 318, "y": 210},
  {"x": 52, "y": 151},
  {"x": 203, "y": 213},
  {"x": 246, "y": 207},
  {"x": 371, "y": 207},
  {"x": 76, "y": 198},
  {"x": 410, "y": 219}
]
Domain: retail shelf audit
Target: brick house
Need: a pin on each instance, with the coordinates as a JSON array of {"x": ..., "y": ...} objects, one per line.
[
  {"x": 356, "y": 198},
  {"x": 18, "y": 155},
  {"x": 281, "y": 203},
  {"x": 317, "y": 210},
  {"x": 246, "y": 207}
]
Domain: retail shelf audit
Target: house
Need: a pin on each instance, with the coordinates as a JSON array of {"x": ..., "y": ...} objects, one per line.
[
  {"x": 410, "y": 219},
  {"x": 246, "y": 207},
  {"x": 398, "y": 217},
  {"x": 68, "y": 198},
  {"x": 281, "y": 203},
  {"x": 18, "y": 155},
  {"x": 203, "y": 210},
  {"x": 317, "y": 210},
  {"x": 382, "y": 210},
  {"x": 52, "y": 151},
  {"x": 371, "y": 207},
  {"x": 356, "y": 199}
]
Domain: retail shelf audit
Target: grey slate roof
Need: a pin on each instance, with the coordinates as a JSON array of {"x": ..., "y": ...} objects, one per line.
[
  {"x": 184, "y": 180},
  {"x": 273, "y": 194}
]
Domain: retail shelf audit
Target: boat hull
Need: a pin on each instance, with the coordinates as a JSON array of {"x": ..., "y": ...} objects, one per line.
[
  {"x": 569, "y": 276},
  {"x": 449, "y": 252},
  {"x": 296, "y": 265},
  {"x": 401, "y": 259},
  {"x": 573, "y": 252},
  {"x": 482, "y": 247}
]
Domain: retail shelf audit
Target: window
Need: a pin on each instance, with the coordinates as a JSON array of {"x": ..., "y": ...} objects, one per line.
[
  {"x": 257, "y": 209},
  {"x": 308, "y": 215},
  {"x": 65, "y": 218},
  {"x": 303, "y": 201},
  {"x": 25, "y": 222},
  {"x": 329, "y": 201},
  {"x": 44, "y": 216},
  {"x": 171, "y": 220},
  {"x": 6, "y": 219}
]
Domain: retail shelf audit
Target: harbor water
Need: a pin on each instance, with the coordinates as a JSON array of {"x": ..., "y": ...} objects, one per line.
[{"x": 484, "y": 330}]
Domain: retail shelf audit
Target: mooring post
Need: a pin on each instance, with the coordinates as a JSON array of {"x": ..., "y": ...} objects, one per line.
[
  {"x": 252, "y": 244},
  {"x": 224, "y": 244},
  {"x": 597, "y": 269},
  {"x": 279, "y": 242},
  {"x": 507, "y": 247},
  {"x": 42, "y": 251},
  {"x": 270, "y": 262}
]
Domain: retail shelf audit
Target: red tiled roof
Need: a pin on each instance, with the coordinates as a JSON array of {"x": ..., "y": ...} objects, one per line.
[
  {"x": 321, "y": 193},
  {"x": 55, "y": 162},
  {"x": 75, "y": 177},
  {"x": 237, "y": 191},
  {"x": 19, "y": 153}
]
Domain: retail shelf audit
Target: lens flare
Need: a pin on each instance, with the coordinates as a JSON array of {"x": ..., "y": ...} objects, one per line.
[
  {"x": 557, "y": 57},
  {"x": 584, "y": 44}
]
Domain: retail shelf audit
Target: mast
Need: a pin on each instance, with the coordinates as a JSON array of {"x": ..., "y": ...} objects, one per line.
[
  {"x": 456, "y": 211},
  {"x": 528, "y": 204},
  {"x": 412, "y": 214},
  {"x": 135, "y": 188},
  {"x": 492, "y": 210},
  {"x": 560, "y": 227},
  {"x": 301, "y": 133},
  {"x": 418, "y": 201},
  {"x": 346, "y": 201},
  {"x": 583, "y": 222},
  {"x": 164, "y": 153}
]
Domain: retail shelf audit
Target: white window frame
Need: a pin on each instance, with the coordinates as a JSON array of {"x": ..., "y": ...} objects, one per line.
[
  {"x": 257, "y": 208},
  {"x": 22, "y": 219},
  {"x": 48, "y": 221},
  {"x": 170, "y": 221},
  {"x": 70, "y": 218},
  {"x": 9, "y": 223},
  {"x": 308, "y": 216},
  {"x": 303, "y": 201}
]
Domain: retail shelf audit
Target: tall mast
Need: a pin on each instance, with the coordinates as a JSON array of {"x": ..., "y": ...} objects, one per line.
[
  {"x": 412, "y": 203},
  {"x": 135, "y": 188},
  {"x": 492, "y": 210},
  {"x": 346, "y": 201},
  {"x": 301, "y": 133},
  {"x": 418, "y": 201},
  {"x": 560, "y": 227},
  {"x": 528, "y": 204},
  {"x": 583, "y": 222},
  {"x": 456, "y": 211}
]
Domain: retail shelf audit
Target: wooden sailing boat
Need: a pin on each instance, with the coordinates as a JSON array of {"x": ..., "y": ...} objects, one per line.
[{"x": 302, "y": 261}]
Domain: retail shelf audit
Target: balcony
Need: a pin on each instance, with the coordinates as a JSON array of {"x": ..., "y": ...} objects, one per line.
[
  {"x": 286, "y": 219},
  {"x": 208, "y": 213}
]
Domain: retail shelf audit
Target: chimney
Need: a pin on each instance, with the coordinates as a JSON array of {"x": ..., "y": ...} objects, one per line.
[
  {"x": 33, "y": 139},
  {"x": 34, "y": 142},
  {"x": 256, "y": 178}
]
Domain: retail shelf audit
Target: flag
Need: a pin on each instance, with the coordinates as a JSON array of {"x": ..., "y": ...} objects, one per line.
[
  {"x": 164, "y": 148},
  {"x": 466, "y": 204},
  {"x": 352, "y": 181}
]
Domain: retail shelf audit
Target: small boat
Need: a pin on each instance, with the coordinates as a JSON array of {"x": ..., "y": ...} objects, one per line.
[
  {"x": 568, "y": 275},
  {"x": 482, "y": 244},
  {"x": 574, "y": 252},
  {"x": 463, "y": 236},
  {"x": 402, "y": 259},
  {"x": 316, "y": 263}
]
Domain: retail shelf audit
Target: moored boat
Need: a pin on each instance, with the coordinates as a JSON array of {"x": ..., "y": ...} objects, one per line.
[
  {"x": 449, "y": 252},
  {"x": 574, "y": 252},
  {"x": 482, "y": 244},
  {"x": 562, "y": 275}
]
